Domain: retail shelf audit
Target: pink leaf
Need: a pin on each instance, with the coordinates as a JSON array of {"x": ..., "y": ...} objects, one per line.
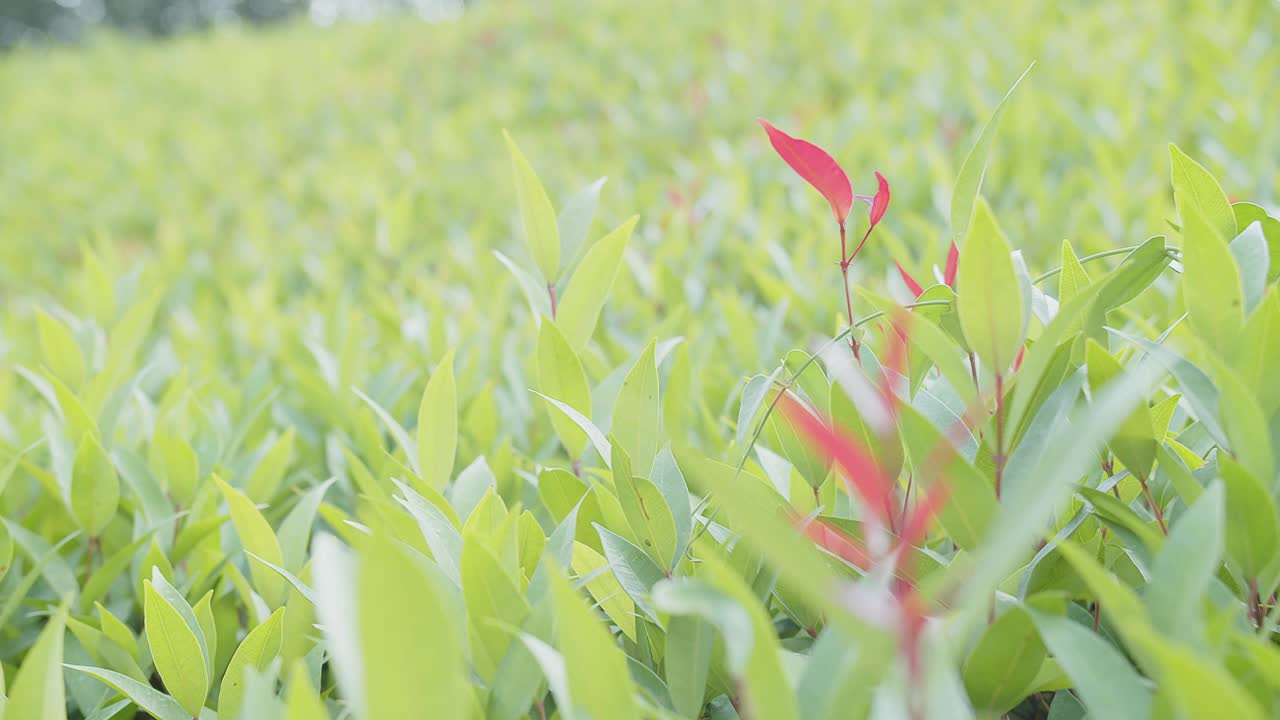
[
  {"x": 895, "y": 361},
  {"x": 880, "y": 202},
  {"x": 917, "y": 524},
  {"x": 912, "y": 285},
  {"x": 860, "y": 468},
  {"x": 953, "y": 264},
  {"x": 836, "y": 543},
  {"x": 817, "y": 168}
]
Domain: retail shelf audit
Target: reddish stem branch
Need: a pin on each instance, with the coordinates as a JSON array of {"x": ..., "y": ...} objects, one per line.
[
  {"x": 551, "y": 291},
  {"x": 1151, "y": 500},
  {"x": 845, "y": 261},
  {"x": 1255, "y": 604}
]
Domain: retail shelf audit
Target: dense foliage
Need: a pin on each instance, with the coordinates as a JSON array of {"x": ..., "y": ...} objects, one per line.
[{"x": 325, "y": 397}]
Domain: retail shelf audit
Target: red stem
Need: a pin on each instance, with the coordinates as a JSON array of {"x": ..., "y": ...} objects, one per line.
[
  {"x": 1151, "y": 500},
  {"x": 906, "y": 498},
  {"x": 1255, "y": 603},
  {"x": 848, "y": 298},
  {"x": 551, "y": 291}
]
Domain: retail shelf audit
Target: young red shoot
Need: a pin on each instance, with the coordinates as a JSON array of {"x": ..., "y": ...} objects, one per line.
[{"x": 817, "y": 167}]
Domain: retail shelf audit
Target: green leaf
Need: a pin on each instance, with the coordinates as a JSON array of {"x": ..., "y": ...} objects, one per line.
[
  {"x": 1072, "y": 280},
  {"x": 720, "y": 597},
  {"x": 145, "y": 697},
  {"x": 1134, "y": 443},
  {"x": 1253, "y": 534},
  {"x": 670, "y": 480},
  {"x": 689, "y": 643},
  {"x": 494, "y": 604},
  {"x": 203, "y": 611},
  {"x": 1248, "y": 213},
  {"x": 647, "y": 515},
  {"x": 267, "y": 475},
  {"x": 176, "y": 651},
  {"x": 95, "y": 488},
  {"x": 1211, "y": 283},
  {"x": 1194, "y": 188},
  {"x": 256, "y": 651},
  {"x": 541, "y": 230},
  {"x": 6, "y": 550},
  {"x": 1028, "y": 507},
  {"x": 301, "y": 700},
  {"x": 636, "y": 413},
  {"x": 637, "y": 573},
  {"x": 599, "y": 685},
  {"x": 1104, "y": 679},
  {"x": 59, "y": 350},
  {"x": 38, "y": 690},
  {"x": 1003, "y": 663},
  {"x": 535, "y": 292},
  {"x": 411, "y": 644},
  {"x": 575, "y": 219},
  {"x": 437, "y": 435},
  {"x": 176, "y": 463},
  {"x": 590, "y": 285},
  {"x": 971, "y": 504},
  {"x": 1202, "y": 687},
  {"x": 594, "y": 572},
  {"x": 990, "y": 303},
  {"x": 560, "y": 375},
  {"x": 1260, "y": 352},
  {"x": 1186, "y": 566},
  {"x": 1136, "y": 273},
  {"x": 596, "y": 437},
  {"x": 295, "y": 529},
  {"x": 258, "y": 538},
  {"x": 1249, "y": 249},
  {"x": 974, "y": 168},
  {"x": 1244, "y": 423}
]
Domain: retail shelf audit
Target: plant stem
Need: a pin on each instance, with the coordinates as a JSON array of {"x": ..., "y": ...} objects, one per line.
[
  {"x": 551, "y": 291},
  {"x": 1155, "y": 507},
  {"x": 973, "y": 370},
  {"x": 999, "y": 457},
  {"x": 845, "y": 261},
  {"x": 89, "y": 548},
  {"x": 906, "y": 498},
  {"x": 1255, "y": 603}
]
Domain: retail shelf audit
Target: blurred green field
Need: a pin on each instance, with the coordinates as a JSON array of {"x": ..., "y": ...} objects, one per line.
[
  {"x": 235, "y": 229},
  {"x": 296, "y": 171}
]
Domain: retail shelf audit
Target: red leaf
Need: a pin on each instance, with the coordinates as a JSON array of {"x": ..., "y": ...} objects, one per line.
[
  {"x": 836, "y": 543},
  {"x": 953, "y": 264},
  {"x": 880, "y": 202},
  {"x": 912, "y": 285},
  {"x": 917, "y": 524},
  {"x": 859, "y": 466},
  {"x": 817, "y": 168},
  {"x": 896, "y": 359}
]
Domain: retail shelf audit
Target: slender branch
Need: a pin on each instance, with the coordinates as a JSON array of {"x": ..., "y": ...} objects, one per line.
[
  {"x": 973, "y": 370},
  {"x": 1151, "y": 500},
  {"x": 551, "y": 291},
  {"x": 1098, "y": 256},
  {"x": 1255, "y": 603},
  {"x": 848, "y": 298}
]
